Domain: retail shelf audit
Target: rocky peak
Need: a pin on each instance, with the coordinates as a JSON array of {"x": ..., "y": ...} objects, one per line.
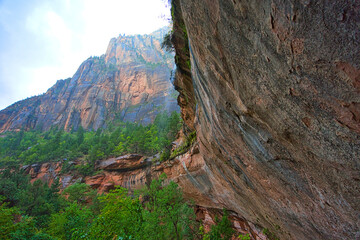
[
  {"x": 138, "y": 49},
  {"x": 131, "y": 82}
]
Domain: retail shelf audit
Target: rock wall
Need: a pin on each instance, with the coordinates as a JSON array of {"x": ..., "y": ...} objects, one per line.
[
  {"x": 131, "y": 82},
  {"x": 134, "y": 171},
  {"x": 278, "y": 110},
  {"x": 183, "y": 81}
]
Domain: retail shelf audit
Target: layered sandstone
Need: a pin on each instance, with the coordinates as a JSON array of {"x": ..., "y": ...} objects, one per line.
[
  {"x": 131, "y": 82},
  {"x": 134, "y": 171},
  {"x": 273, "y": 92},
  {"x": 277, "y": 91}
]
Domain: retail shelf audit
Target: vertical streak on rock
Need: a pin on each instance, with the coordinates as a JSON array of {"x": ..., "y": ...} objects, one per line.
[{"x": 276, "y": 86}]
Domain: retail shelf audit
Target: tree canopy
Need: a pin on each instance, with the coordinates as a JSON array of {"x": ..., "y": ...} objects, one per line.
[{"x": 119, "y": 138}]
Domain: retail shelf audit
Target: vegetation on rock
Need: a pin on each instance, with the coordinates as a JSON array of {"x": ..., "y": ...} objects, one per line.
[
  {"x": 190, "y": 139},
  {"x": 118, "y": 139},
  {"x": 37, "y": 211}
]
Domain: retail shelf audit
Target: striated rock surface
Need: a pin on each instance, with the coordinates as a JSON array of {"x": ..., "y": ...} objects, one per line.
[
  {"x": 125, "y": 163},
  {"x": 131, "y": 82},
  {"x": 183, "y": 81},
  {"x": 134, "y": 171},
  {"x": 277, "y": 91},
  {"x": 273, "y": 92},
  {"x": 241, "y": 226}
]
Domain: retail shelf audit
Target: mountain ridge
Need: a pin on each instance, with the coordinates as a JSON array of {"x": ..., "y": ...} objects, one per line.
[{"x": 130, "y": 82}]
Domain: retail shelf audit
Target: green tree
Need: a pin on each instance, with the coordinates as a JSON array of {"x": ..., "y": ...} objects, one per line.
[
  {"x": 120, "y": 218},
  {"x": 80, "y": 193},
  {"x": 71, "y": 223},
  {"x": 80, "y": 135},
  {"x": 39, "y": 201},
  {"x": 7, "y": 221},
  {"x": 222, "y": 228},
  {"x": 17, "y": 227},
  {"x": 166, "y": 214},
  {"x": 25, "y": 229}
]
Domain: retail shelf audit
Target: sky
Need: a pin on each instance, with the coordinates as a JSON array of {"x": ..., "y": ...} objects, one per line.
[{"x": 42, "y": 41}]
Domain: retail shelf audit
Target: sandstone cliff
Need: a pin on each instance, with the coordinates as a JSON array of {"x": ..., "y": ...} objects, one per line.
[
  {"x": 131, "y": 82},
  {"x": 272, "y": 89},
  {"x": 276, "y": 85},
  {"x": 134, "y": 171}
]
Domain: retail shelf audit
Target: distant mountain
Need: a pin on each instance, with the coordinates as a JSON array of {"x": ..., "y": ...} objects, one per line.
[{"x": 131, "y": 82}]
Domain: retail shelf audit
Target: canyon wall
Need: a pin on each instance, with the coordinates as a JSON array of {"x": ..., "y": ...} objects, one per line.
[
  {"x": 271, "y": 88},
  {"x": 135, "y": 171},
  {"x": 131, "y": 82},
  {"x": 276, "y": 92}
]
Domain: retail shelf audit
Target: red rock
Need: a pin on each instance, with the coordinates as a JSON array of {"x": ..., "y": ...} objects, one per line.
[
  {"x": 46, "y": 172},
  {"x": 123, "y": 163},
  {"x": 277, "y": 115},
  {"x": 131, "y": 82},
  {"x": 134, "y": 171}
]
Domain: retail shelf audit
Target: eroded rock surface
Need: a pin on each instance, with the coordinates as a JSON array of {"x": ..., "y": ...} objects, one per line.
[
  {"x": 277, "y": 91},
  {"x": 135, "y": 171},
  {"x": 131, "y": 82},
  {"x": 123, "y": 163}
]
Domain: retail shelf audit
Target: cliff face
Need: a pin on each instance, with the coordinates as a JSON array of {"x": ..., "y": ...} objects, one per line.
[
  {"x": 278, "y": 110},
  {"x": 134, "y": 171},
  {"x": 131, "y": 82}
]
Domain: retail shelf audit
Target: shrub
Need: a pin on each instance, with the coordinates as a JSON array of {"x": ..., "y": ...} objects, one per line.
[
  {"x": 190, "y": 139},
  {"x": 164, "y": 155},
  {"x": 222, "y": 229},
  {"x": 166, "y": 44}
]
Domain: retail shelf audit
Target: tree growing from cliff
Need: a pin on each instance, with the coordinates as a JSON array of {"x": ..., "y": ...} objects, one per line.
[
  {"x": 166, "y": 44},
  {"x": 222, "y": 229}
]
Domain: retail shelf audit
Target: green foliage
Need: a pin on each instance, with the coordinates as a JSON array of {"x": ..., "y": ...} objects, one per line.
[
  {"x": 37, "y": 200},
  {"x": 165, "y": 155},
  {"x": 71, "y": 223},
  {"x": 7, "y": 220},
  {"x": 17, "y": 227},
  {"x": 120, "y": 217},
  {"x": 41, "y": 212},
  {"x": 203, "y": 234},
  {"x": 180, "y": 37},
  {"x": 158, "y": 211},
  {"x": 269, "y": 234},
  {"x": 244, "y": 237},
  {"x": 188, "y": 64},
  {"x": 166, "y": 214},
  {"x": 221, "y": 230},
  {"x": 79, "y": 193},
  {"x": 25, "y": 229},
  {"x": 57, "y": 145},
  {"x": 190, "y": 139},
  {"x": 85, "y": 169},
  {"x": 166, "y": 43}
]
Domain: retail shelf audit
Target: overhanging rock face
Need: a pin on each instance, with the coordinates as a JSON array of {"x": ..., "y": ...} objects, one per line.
[{"x": 277, "y": 87}]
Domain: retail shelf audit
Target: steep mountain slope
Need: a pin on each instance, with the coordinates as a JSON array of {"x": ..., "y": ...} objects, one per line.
[
  {"x": 277, "y": 105},
  {"x": 131, "y": 82}
]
